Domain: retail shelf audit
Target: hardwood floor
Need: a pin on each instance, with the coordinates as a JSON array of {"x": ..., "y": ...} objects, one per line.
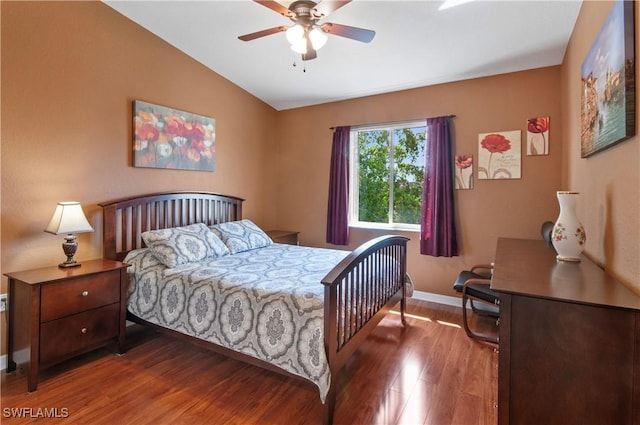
[{"x": 429, "y": 373}]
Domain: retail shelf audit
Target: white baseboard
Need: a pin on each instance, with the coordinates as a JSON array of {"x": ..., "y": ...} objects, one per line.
[
  {"x": 437, "y": 298},
  {"x": 3, "y": 362}
]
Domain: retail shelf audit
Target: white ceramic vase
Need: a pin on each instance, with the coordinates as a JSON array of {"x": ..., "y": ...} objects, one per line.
[{"x": 568, "y": 236}]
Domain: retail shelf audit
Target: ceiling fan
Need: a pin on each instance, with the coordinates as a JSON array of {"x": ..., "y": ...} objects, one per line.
[{"x": 307, "y": 35}]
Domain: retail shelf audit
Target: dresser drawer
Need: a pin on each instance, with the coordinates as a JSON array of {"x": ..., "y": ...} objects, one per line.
[
  {"x": 73, "y": 334},
  {"x": 76, "y": 295}
]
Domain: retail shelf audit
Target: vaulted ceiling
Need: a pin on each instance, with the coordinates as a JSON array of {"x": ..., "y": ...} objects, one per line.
[{"x": 416, "y": 44}]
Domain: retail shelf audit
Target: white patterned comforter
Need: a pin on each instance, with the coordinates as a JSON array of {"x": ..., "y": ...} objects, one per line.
[{"x": 266, "y": 303}]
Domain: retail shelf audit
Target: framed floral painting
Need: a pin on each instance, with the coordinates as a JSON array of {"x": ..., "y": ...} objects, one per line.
[
  {"x": 538, "y": 136},
  {"x": 464, "y": 171},
  {"x": 499, "y": 155},
  {"x": 169, "y": 138}
]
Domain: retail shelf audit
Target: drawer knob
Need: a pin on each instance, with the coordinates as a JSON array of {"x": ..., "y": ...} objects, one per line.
[
  {"x": 85, "y": 293},
  {"x": 83, "y": 330}
]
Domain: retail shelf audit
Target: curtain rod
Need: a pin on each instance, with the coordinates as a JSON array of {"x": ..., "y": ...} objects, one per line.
[{"x": 388, "y": 123}]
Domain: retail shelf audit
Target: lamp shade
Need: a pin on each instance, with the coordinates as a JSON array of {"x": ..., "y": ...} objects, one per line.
[{"x": 68, "y": 218}]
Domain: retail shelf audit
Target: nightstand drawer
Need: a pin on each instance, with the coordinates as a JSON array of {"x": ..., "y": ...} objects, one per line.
[
  {"x": 79, "y": 294},
  {"x": 80, "y": 332}
]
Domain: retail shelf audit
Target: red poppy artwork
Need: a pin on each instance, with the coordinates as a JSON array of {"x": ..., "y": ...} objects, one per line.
[
  {"x": 499, "y": 155},
  {"x": 538, "y": 136},
  {"x": 464, "y": 171},
  {"x": 168, "y": 138}
]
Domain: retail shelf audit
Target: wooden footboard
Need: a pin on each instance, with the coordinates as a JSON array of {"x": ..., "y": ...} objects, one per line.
[{"x": 359, "y": 292}]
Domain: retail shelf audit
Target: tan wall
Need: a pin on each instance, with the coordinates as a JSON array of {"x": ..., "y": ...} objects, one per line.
[
  {"x": 513, "y": 208},
  {"x": 70, "y": 71},
  {"x": 609, "y": 181}
]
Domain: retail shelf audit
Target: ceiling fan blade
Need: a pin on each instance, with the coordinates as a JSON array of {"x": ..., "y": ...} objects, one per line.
[
  {"x": 354, "y": 33},
  {"x": 276, "y": 7},
  {"x": 263, "y": 33},
  {"x": 323, "y": 8}
]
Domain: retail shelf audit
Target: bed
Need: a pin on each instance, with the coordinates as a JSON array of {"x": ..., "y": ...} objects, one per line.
[{"x": 299, "y": 311}]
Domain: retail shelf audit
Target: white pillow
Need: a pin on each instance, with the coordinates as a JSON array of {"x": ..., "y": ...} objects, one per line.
[
  {"x": 182, "y": 245},
  {"x": 242, "y": 235}
]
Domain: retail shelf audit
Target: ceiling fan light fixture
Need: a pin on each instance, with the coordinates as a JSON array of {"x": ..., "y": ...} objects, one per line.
[
  {"x": 295, "y": 35},
  {"x": 300, "y": 48},
  {"x": 318, "y": 39}
]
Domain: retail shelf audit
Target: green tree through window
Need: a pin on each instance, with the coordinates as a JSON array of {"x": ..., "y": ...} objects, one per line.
[{"x": 387, "y": 173}]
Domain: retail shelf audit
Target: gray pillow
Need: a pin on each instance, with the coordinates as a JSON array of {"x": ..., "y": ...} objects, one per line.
[
  {"x": 242, "y": 235},
  {"x": 182, "y": 245}
]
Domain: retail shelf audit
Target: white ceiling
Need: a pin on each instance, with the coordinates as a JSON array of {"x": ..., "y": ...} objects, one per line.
[{"x": 416, "y": 44}]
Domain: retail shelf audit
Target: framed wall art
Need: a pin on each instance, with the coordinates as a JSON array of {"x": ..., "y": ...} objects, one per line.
[
  {"x": 499, "y": 155},
  {"x": 608, "y": 83},
  {"x": 538, "y": 136},
  {"x": 169, "y": 138},
  {"x": 464, "y": 171}
]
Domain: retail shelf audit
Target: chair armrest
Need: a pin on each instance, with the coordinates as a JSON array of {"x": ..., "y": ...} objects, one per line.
[
  {"x": 485, "y": 282},
  {"x": 489, "y": 295},
  {"x": 488, "y": 268}
]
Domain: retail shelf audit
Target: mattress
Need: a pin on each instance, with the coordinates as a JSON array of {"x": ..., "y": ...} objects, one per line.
[{"x": 266, "y": 303}]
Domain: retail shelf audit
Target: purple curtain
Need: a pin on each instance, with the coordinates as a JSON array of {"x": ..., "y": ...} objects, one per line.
[
  {"x": 437, "y": 227},
  {"x": 338, "y": 206}
]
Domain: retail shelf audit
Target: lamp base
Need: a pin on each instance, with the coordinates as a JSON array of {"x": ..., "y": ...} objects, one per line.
[
  {"x": 69, "y": 246},
  {"x": 67, "y": 264}
]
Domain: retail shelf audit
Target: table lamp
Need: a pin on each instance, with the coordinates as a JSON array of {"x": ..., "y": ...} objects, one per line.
[{"x": 69, "y": 219}]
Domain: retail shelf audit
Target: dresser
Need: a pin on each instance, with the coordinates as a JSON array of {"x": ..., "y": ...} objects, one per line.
[
  {"x": 56, "y": 313},
  {"x": 569, "y": 349}
]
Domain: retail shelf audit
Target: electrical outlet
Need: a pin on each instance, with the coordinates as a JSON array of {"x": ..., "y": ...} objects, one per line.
[{"x": 3, "y": 302}]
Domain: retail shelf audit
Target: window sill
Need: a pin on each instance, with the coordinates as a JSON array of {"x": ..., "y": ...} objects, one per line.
[{"x": 391, "y": 227}]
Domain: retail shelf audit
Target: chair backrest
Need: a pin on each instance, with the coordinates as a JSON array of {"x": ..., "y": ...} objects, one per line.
[{"x": 546, "y": 230}]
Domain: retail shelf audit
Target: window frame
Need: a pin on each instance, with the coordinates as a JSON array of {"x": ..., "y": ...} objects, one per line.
[{"x": 354, "y": 168}]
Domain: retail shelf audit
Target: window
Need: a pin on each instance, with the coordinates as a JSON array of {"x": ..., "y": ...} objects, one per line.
[{"x": 386, "y": 174}]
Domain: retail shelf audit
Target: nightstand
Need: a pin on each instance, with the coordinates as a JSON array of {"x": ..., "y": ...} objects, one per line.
[
  {"x": 56, "y": 313},
  {"x": 284, "y": 236}
]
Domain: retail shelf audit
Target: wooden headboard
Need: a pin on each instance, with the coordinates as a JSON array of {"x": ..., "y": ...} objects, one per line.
[{"x": 124, "y": 220}]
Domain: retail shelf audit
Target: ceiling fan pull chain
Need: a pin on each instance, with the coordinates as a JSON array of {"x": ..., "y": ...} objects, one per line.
[{"x": 304, "y": 63}]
